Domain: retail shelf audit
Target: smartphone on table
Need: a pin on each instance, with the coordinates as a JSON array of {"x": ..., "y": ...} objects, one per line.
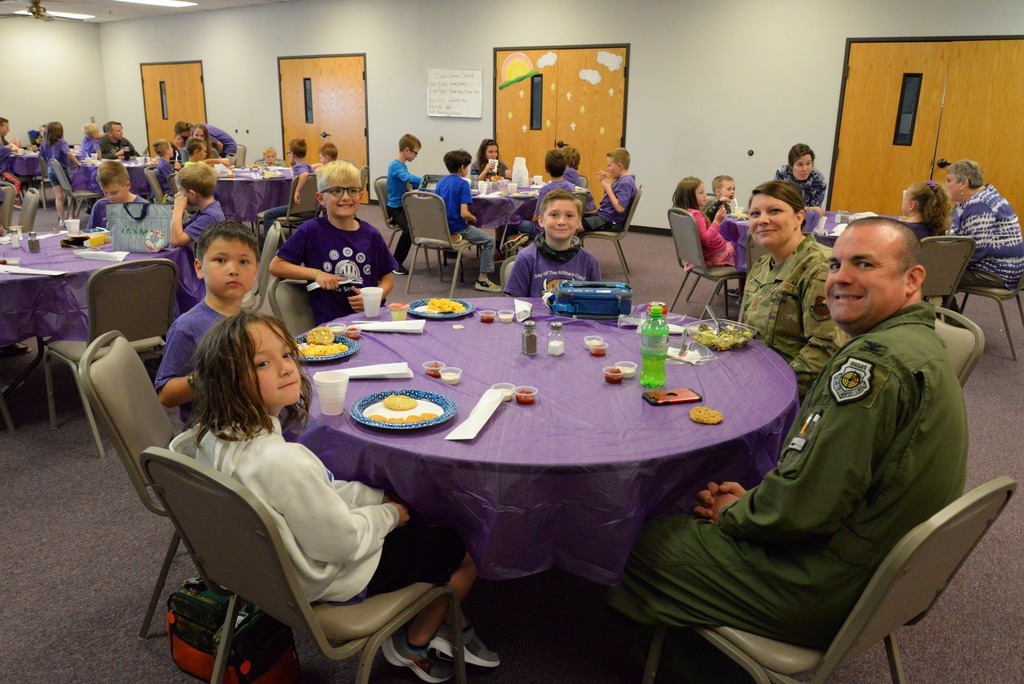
[{"x": 683, "y": 395}]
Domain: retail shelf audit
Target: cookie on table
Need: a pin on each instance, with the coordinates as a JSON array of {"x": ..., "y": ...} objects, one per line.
[{"x": 705, "y": 416}]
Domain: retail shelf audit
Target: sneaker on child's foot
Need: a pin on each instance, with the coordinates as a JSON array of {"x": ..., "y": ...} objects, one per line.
[
  {"x": 426, "y": 664},
  {"x": 476, "y": 652},
  {"x": 400, "y": 271},
  {"x": 487, "y": 286},
  {"x": 514, "y": 244}
]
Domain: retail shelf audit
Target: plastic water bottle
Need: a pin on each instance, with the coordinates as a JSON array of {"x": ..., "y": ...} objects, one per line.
[{"x": 654, "y": 347}]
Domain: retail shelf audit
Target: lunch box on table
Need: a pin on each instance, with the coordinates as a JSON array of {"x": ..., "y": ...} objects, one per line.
[{"x": 591, "y": 299}]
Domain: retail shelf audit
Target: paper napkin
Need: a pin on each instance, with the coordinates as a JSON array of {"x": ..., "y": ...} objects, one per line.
[
  {"x": 523, "y": 310},
  {"x": 379, "y": 370},
  {"x": 20, "y": 270},
  {"x": 478, "y": 417},
  {"x": 100, "y": 256},
  {"x": 384, "y": 326}
]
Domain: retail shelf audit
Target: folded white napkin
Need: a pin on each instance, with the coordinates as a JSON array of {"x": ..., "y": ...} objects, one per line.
[
  {"x": 100, "y": 256},
  {"x": 523, "y": 310},
  {"x": 478, "y": 417},
  {"x": 20, "y": 270},
  {"x": 838, "y": 229},
  {"x": 43, "y": 236},
  {"x": 692, "y": 356},
  {"x": 410, "y": 326},
  {"x": 379, "y": 370}
]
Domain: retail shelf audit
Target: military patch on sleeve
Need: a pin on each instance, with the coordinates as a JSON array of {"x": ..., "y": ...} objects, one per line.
[
  {"x": 820, "y": 310},
  {"x": 851, "y": 382}
]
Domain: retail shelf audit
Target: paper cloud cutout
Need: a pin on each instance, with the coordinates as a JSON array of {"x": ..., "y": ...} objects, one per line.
[
  {"x": 609, "y": 60},
  {"x": 547, "y": 59},
  {"x": 591, "y": 76}
]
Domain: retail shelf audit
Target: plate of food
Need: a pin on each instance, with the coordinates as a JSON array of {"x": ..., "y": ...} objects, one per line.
[
  {"x": 323, "y": 344},
  {"x": 720, "y": 335},
  {"x": 406, "y": 409},
  {"x": 441, "y": 308},
  {"x": 524, "y": 195}
]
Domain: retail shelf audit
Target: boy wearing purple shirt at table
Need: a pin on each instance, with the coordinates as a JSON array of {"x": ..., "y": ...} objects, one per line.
[
  {"x": 555, "y": 255},
  {"x": 117, "y": 187},
  {"x": 300, "y": 170},
  {"x": 339, "y": 252},
  {"x": 619, "y": 189},
  {"x": 196, "y": 185},
  {"x": 164, "y": 167},
  {"x": 554, "y": 164},
  {"x": 226, "y": 262},
  {"x": 572, "y": 163}
]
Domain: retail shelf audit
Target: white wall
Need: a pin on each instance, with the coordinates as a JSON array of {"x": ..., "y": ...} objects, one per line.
[{"x": 762, "y": 76}]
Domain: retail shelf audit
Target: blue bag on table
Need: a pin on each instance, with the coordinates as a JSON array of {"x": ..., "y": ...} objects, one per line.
[{"x": 591, "y": 299}]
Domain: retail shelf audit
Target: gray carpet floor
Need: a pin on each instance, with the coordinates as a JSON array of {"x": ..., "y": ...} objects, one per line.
[{"x": 79, "y": 553}]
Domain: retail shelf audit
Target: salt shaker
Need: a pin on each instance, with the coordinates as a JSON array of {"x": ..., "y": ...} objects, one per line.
[
  {"x": 15, "y": 239},
  {"x": 33, "y": 243},
  {"x": 556, "y": 340},
  {"x": 530, "y": 338}
]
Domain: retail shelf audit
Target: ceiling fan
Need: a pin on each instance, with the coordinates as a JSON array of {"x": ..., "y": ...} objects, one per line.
[{"x": 36, "y": 10}]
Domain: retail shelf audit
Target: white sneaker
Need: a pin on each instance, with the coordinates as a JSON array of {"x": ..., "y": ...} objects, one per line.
[
  {"x": 487, "y": 286},
  {"x": 476, "y": 652}
]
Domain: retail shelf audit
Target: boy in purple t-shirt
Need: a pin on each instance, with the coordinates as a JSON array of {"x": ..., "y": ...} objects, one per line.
[
  {"x": 117, "y": 187},
  {"x": 196, "y": 186},
  {"x": 300, "y": 170},
  {"x": 619, "y": 187},
  {"x": 339, "y": 252},
  {"x": 555, "y": 255},
  {"x": 554, "y": 164},
  {"x": 165, "y": 166},
  {"x": 226, "y": 262}
]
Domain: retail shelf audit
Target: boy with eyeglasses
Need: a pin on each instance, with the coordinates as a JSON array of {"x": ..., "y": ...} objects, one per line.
[
  {"x": 338, "y": 252},
  {"x": 400, "y": 181},
  {"x": 300, "y": 170}
]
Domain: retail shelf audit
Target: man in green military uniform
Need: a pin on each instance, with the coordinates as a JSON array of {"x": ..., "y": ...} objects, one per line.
[{"x": 880, "y": 445}]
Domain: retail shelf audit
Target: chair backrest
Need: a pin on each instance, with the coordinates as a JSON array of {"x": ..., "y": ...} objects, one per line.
[
  {"x": 380, "y": 188},
  {"x": 62, "y": 178},
  {"x": 584, "y": 181},
  {"x": 364, "y": 177},
  {"x": 964, "y": 341},
  {"x": 270, "y": 246},
  {"x": 154, "y": 185},
  {"x": 44, "y": 169},
  {"x": 289, "y": 300},
  {"x": 7, "y": 204},
  {"x": 117, "y": 385},
  {"x": 230, "y": 535},
  {"x": 240, "y": 155},
  {"x": 151, "y": 284},
  {"x": 428, "y": 222},
  {"x": 506, "y": 269},
  {"x": 754, "y": 250},
  {"x": 945, "y": 259},
  {"x": 917, "y": 570},
  {"x": 583, "y": 197},
  {"x": 632, "y": 209},
  {"x": 29, "y": 206},
  {"x": 307, "y": 197},
  {"x": 172, "y": 184},
  {"x": 686, "y": 238}
]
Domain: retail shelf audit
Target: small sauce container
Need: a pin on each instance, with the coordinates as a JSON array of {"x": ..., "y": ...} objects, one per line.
[
  {"x": 399, "y": 311},
  {"x": 628, "y": 368},
  {"x": 598, "y": 348},
  {"x": 351, "y": 333},
  {"x": 507, "y": 389},
  {"x": 525, "y": 394},
  {"x": 612, "y": 375},
  {"x": 433, "y": 368},
  {"x": 506, "y": 316},
  {"x": 450, "y": 375},
  {"x": 591, "y": 340},
  {"x": 487, "y": 316}
]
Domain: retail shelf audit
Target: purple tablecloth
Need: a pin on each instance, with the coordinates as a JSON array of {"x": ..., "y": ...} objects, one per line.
[
  {"x": 58, "y": 306},
  {"x": 495, "y": 211},
  {"x": 570, "y": 480},
  {"x": 249, "y": 193},
  {"x": 83, "y": 177},
  {"x": 735, "y": 231},
  {"x": 25, "y": 165}
]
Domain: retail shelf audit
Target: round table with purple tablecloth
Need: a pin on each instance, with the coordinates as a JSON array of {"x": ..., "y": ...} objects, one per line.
[
  {"x": 568, "y": 481},
  {"x": 25, "y": 165},
  {"x": 58, "y": 306},
  {"x": 735, "y": 229},
  {"x": 495, "y": 210},
  {"x": 84, "y": 177},
  {"x": 249, "y": 192}
]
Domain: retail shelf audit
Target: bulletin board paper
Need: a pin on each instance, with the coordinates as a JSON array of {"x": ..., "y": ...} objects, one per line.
[{"x": 455, "y": 93}]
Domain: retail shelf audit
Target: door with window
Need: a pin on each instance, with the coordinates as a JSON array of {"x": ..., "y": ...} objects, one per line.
[
  {"x": 171, "y": 92},
  {"x": 323, "y": 99}
]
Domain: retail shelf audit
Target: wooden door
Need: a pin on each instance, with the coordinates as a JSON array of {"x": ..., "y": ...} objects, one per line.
[
  {"x": 982, "y": 119},
  {"x": 870, "y": 172},
  {"x": 323, "y": 99},
  {"x": 583, "y": 103},
  {"x": 171, "y": 92}
]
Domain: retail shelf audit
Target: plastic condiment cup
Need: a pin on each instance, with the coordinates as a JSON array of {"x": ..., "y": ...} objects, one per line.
[
  {"x": 331, "y": 387},
  {"x": 612, "y": 374},
  {"x": 506, "y": 316},
  {"x": 487, "y": 316},
  {"x": 371, "y": 301},
  {"x": 525, "y": 394},
  {"x": 433, "y": 368},
  {"x": 351, "y": 333},
  {"x": 598, "y": 349},
  {"x": 451, "y": 375},
  {"x": 506, "y": 388},
  {"x": 628, "y": 368},
  {"x": 399, "y": 311},
  {"x": 12, "y": 261},
  {"x": 591, "y": 340},
  {"x": 513, "y": 188}
]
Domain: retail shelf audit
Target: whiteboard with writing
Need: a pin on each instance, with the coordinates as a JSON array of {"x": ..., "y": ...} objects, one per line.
[{"x": 455, "y": 92}]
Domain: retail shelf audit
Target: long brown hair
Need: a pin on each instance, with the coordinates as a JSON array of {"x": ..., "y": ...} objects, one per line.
[
  {"x": 227, "y": 398},
  {"x": 481, "y": 153},
  {"x": 933, "y": 201},
  {"x": 54, "y": 132},
  {"x": 685, "y": 196}
]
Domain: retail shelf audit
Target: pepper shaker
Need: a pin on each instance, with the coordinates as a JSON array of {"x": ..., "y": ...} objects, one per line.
[
  {"x": 530, "y": 338},
  {"x": 33, "y": 243}
]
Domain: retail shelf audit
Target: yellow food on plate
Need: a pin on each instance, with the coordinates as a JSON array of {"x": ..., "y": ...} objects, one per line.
[
  {"x": 320, "y": 336},
  {"x": 407, "y": 420},
  {"x": 445, "y": 306},
  {"x": 399, "y": 402},
  {"x": 316, "y": 350}
]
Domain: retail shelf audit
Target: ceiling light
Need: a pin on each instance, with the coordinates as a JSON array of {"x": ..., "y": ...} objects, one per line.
[
  {"x": 160, "y": 3},
  {"x": 61, "y": 15}
]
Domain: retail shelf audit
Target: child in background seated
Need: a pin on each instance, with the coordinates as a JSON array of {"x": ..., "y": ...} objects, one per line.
[
  {"x": 300, "y": 170},
  {"x": 197, "y": 154},
  {"x": 117, "y": 187},
  {"x": 619, "y": 187},
  {"x": 454, "y": 190},
  {"x": 226, "y": 262},
  {"x": 926, "y": 209},
  {"x": 164, "y": 166},
  {"x": 196, "y": 186},
  {"x": 555, "y": 255},
  {"x": 338, "y": 251},
  {"x": 690, "y": 195},
  {"x": 91, "y": 141},
  {"x": 401, "y": 181},
  {"x": 346, "y": 540},
  {"x": 487, "y": 164},
  {"x": 724, "y": 188},
  {"x": 554, "y": 164},
  {"x": 327, "y": 153},
  {"x": 572, "y": 165},
  {"x": 269, "y": 157}
]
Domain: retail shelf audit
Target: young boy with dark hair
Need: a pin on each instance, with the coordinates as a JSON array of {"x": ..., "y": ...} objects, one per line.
[
  {"x": 454, "y": 190},
  {"x": 227, "y": 263},
  {"x": 400, "y": 181},
  {"x": 196, "y": 186},
  {"x": 117, "y": 187},
  {"x": 619, "y": 187},
  {"x": 554, "y": 164}
]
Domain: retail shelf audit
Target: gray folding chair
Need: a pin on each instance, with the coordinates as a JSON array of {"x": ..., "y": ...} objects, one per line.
[
  {"x": 240, "y": 155},
  {"x": 428, "y": 224},
  {"x": 298, "y": 212},
  {"x": 117, "y": 386},
  {"x": 75, "y": 199},
  {"x": 1000, "y": 295},
  {"x": 289, "y": 300},
  {"x": 364, "y": 178},
  {"x": 7, "y": 204},
  {"x": 945, "y": 258},
  {"x": 506, "y": 269},
  {"x": 584, "y": 181},
  {"x": 901, "y": 592},
  {"x": 172, "y": 184},
  {"x": 44, "y": 179},
  {"x": 617, "y": 237},
  {"x": 254, "y": 300},
  {"x": 380, "y": 187},
  {"x": 754, "y": 250},
  {"x": 688, "y": 251},
  {"x": 239, "y": 552},
  {"x": 29, "y": 207},
  {"x": 964, "y": 341},
  {"x": 5, "y": 414},
  {"x": 156, "y": 192},
  {"x": 152, "y": 284}
]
